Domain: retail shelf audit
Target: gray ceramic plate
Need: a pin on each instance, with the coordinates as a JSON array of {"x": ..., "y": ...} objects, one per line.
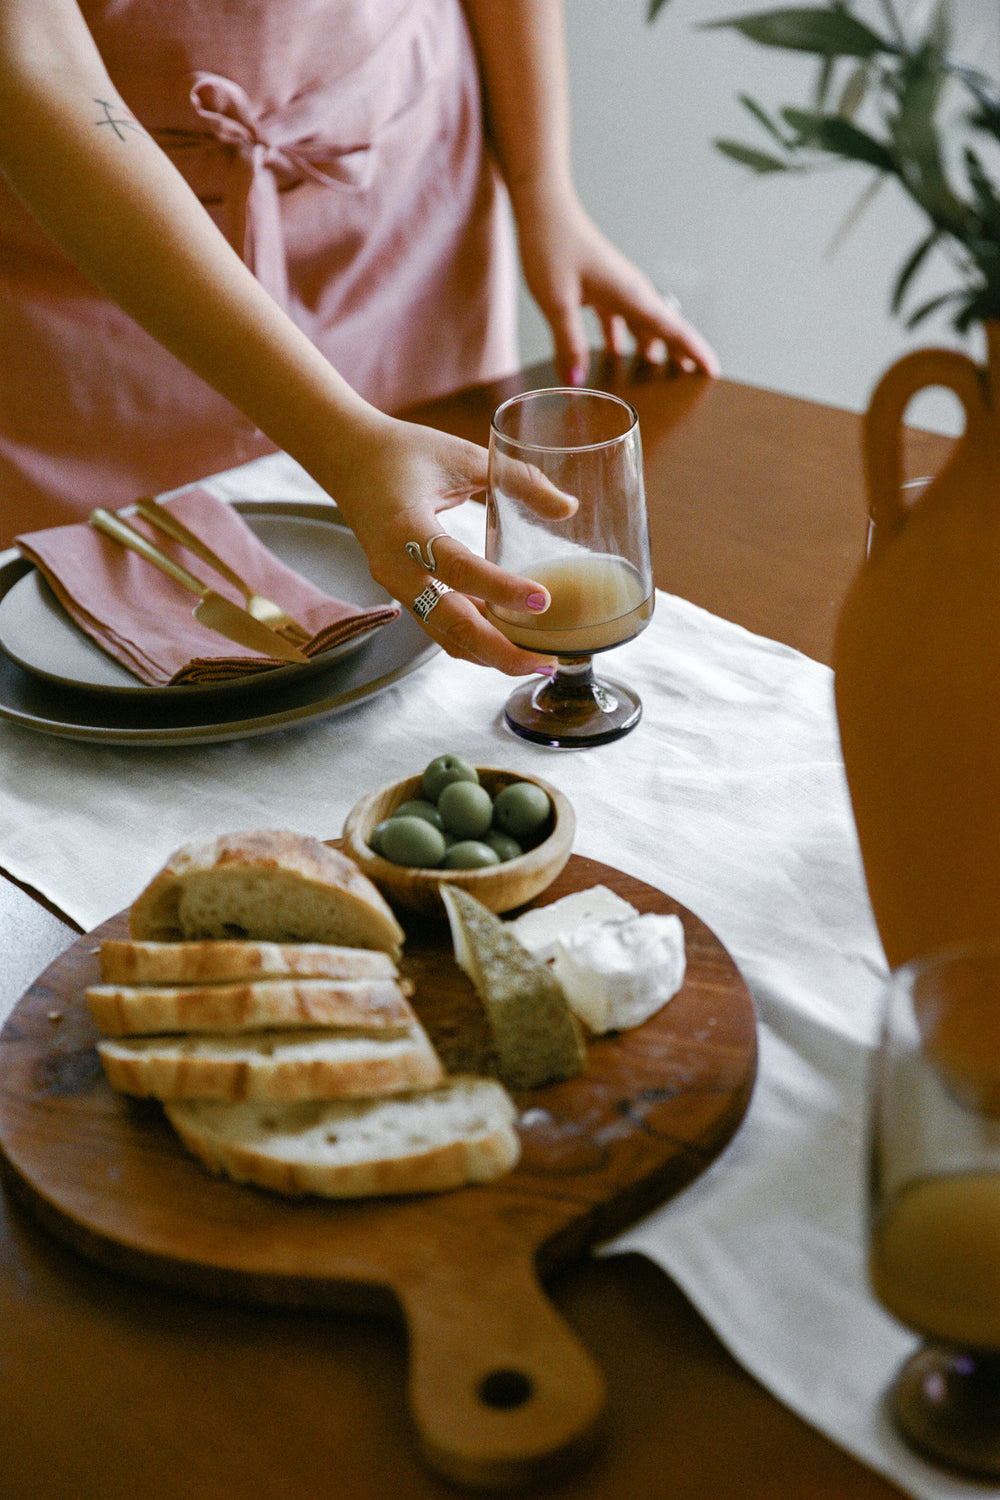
[
  {"x": 38, "y": 634},
  {"x": 82, "y": 694}
]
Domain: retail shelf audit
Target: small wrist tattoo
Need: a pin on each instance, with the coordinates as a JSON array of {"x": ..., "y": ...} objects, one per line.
[{"x": 116, "y": 117}]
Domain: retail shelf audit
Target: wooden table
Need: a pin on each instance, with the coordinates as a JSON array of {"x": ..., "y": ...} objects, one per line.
[{"x": 110, "y": 1389}]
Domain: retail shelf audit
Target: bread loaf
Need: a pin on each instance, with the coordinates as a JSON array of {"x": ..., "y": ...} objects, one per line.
[
  {"x": 142, "y": 1009},
  {"x": 217, "y": 960},
  {"x": 537, "y": 1038},
  {"x": 268, "y": 884},
  {"x": 273, "y": 1065},
  {"x": 460, "y": 1132}
]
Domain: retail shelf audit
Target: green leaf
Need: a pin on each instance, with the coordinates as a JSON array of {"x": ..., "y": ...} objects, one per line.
[
  {"x": 824, "y": 81},
  {"x": 911, "y": 267},
  {"x": 747, "y": 156},
  {"x": 655, "y": 6},
  {"x": 987, "y": 201},
  {"x": 827, "y": 32},
  {"x": 982, "y": 304},
  {"x": 855, "y": 89},
  {"x": 984, "y": 91},
  {"x": 763, "y": 118},
  {"x": 838, "y": 136},
  {"x": 893, "y": 20},
  {"x": 925, "y": 310},
  {"x": 871, "y": 189},
  {"x": 939, "y": 30}
]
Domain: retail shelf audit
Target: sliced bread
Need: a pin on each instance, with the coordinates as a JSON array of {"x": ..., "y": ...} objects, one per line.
[
  {"x": 270, "y": 884},
  {"x": 141, "y": 1009},
  {"x": 218, "y": 960},
  {"x": 460, "y": 1132},
  {"x": 273, "y": 1065},
  {"x": 537, "y": 1038}
]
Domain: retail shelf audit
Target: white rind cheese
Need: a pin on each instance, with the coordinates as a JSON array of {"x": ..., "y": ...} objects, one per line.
[
  {"x": 541, "y": 929},
  {"x": 616, "y": 974}
]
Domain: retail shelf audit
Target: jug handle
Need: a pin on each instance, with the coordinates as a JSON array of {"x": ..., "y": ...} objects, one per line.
[{"x": 882, "y": 433}]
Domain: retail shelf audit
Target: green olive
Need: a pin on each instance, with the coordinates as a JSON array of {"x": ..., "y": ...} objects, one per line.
[
  {"x": 506, "y": 847},
  {"x": 466, "y": 809},
  {"x": 470, "y": 854},
  {"x": 442, "y": 770},
  {"x": 521, "y": 809},
  {"x": 412, "y": 841},
  {"x": 418, "y": 808},
  {"x": 375, "y": 837}
]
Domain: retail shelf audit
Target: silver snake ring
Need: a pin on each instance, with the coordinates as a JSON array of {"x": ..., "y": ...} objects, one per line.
[{"x": 429, "y": 562}]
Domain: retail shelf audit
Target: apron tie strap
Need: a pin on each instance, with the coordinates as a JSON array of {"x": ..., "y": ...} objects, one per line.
[{"x": 268, "y": 155}]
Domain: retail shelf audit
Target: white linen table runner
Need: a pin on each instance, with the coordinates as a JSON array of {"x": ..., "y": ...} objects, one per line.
[{"x": 731, "y": 797}]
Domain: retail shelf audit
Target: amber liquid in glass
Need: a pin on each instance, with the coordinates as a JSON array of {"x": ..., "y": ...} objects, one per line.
[
  {"x": 935, "y": 1258},
  {"x": 598, "y": 601}
]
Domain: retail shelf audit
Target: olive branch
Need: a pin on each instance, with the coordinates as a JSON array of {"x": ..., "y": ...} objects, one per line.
[{"x": 904, "y": 107}]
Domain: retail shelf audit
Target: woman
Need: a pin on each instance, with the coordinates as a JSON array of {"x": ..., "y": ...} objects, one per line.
[{"x": 159, "y": 155}]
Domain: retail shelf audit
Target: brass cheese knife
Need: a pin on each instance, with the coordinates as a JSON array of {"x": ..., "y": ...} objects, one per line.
[{"x": 219, "y": 614}]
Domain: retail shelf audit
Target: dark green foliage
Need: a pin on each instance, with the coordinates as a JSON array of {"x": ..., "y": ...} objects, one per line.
[{"x": 902, "y": 107}]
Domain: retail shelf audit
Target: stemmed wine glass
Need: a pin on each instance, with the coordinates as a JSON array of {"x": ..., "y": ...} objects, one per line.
[
  {"x": 595, "y": 564},
  {"x": 934, "y": 1228}
]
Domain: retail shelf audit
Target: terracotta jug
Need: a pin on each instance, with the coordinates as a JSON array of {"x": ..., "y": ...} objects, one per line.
[{"x": 917, "y": 664}]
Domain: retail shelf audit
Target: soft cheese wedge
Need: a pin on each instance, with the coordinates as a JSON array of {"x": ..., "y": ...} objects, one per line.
[
  {"x": 617, "y": 974},
  {"x": 540, "y": 929}
]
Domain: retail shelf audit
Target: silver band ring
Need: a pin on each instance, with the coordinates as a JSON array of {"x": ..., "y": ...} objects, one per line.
[
  {"x": 425, "y": 602},
  {"x": 429, "y": 562}
]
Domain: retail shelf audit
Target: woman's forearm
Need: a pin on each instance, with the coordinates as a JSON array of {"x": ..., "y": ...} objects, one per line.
[
  {"x": 568, "y": 263},
  {"x": 523, "y": 63},
  {"x": 110, "y": 198}
]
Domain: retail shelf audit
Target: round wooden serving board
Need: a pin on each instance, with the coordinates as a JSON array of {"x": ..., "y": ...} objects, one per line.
[{"x": 500, "y": 1389}]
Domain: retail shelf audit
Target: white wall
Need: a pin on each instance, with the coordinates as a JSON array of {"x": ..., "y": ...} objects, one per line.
[{"x": 749, "y": 257}]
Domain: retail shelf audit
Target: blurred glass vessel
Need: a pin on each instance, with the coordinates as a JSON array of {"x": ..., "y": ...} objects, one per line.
[{"x": 934, "y": 1228}]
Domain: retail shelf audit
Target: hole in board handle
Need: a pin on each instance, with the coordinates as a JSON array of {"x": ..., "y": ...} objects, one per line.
[{"x": 505, "y": 1389}]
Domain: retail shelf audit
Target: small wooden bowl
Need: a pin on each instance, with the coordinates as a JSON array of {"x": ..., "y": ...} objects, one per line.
[{"x": 499, "y": 887}]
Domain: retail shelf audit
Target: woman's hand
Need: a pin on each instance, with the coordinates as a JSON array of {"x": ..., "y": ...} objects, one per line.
[
  {"x": 567, "y": 262},
  {"x": 397, "y": 481},
  {"x": 569, "y": 265}
]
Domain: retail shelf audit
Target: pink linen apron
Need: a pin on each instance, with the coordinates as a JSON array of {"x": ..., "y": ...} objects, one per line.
[{"x": 339, "y": 145}]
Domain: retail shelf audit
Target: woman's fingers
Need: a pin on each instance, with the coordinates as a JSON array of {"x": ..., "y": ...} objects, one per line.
[
  {"x": 526, "y": 483},
  {"x": 451, "y": 605}
]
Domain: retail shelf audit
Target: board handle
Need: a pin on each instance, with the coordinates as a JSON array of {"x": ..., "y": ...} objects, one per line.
[{"x": 501, "y": 1390}]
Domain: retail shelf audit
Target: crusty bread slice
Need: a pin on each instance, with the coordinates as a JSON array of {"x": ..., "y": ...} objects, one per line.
[
  {"x": 271, "y": 884},
  {"x": 218, "y": 960},
  {"x": 273, "y": 1065},
  {"x": 143, "y": 1009},
  {"x": 460, "y": 1132},
  {"x": 537, "y": 1038}
]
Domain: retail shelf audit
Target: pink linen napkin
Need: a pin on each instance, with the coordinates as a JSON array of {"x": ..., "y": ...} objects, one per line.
[{"x": 145, "y": 620}]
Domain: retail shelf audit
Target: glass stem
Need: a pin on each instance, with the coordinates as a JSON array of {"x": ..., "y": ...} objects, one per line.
[{"x": 572, "y": 687}]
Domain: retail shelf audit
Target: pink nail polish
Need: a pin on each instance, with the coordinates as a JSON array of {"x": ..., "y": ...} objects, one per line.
[{"x": 537, "y": 602}]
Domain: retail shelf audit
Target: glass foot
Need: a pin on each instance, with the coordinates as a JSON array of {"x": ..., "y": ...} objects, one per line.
[
  {"x": 946, "y": 1404},
  {"x": 573, "y": 709}
]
